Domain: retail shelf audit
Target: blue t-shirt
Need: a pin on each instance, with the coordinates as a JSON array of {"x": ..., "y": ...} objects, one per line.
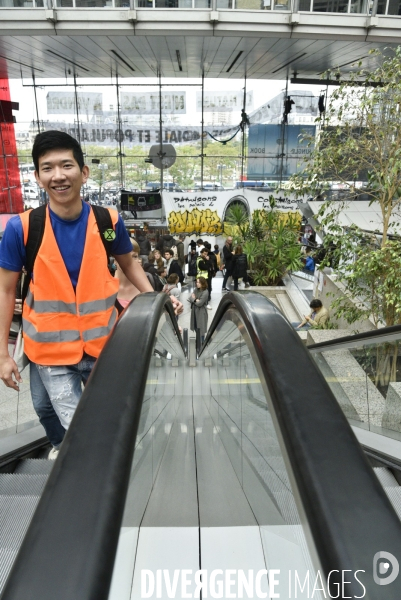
[{"x": 70, "y": 237}]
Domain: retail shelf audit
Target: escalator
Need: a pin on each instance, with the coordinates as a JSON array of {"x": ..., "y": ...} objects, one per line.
[{"x": 243, "y": 467}]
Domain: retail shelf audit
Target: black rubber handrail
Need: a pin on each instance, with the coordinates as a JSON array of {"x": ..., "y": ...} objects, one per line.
[
  {"x": 69, "y": 550},
  {"x": 385, "y": 334},
  {"x": 348, "y": 513}
]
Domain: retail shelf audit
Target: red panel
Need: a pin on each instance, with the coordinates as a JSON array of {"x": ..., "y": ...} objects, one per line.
[{"x": 10, "y": 184}]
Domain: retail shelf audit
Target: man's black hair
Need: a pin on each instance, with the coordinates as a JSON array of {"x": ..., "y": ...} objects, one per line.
[
  {"x": 315, "y": 303},
  {"x": 199, "y": 241},
  {"x": 207, "y": 245},
  {"x": 56, "y": 140}
]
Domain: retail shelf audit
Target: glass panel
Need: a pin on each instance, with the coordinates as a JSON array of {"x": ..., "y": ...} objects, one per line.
[
  {"x": 335, "y": 6},
  {"x": 282, "y": 5},
  {"x": 205, "y": 4},
  {"x": 240, "y": 413},
  {"x": 145, "y": 4},
  {"x": 358, "y": 6},
  {"x": 166, "y": 3},
  {"x": 249, "y": 4},
  {"x": 394, "y": 7},
  {"x": 366, "y": 381},
  {"x": 65, "y": 3},
  {"x": 16, "y": 409},
  {"x": 381, "y": 7},
  {"x": 39, "y": 4},
  {"x": 121, "y": 3},
  {"x": 160, "y": 405},
  {"x": 92, "y": 3},
  {"x": 304, "y": 5}
]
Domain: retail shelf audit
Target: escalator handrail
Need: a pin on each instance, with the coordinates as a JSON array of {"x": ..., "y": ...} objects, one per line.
[
  {"x": 69, "y": 550},
  {"x": 385, "y": 334},
  {"x": 348, "y": 513}
]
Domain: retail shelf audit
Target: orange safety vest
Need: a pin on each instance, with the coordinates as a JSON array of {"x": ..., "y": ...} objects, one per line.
[{"x": 60, "y": 324}]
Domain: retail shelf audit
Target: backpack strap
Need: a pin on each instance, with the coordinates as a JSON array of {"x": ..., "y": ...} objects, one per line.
[
  {"x": 105, "y": 225},
  {"x": 37, "y": 219}
]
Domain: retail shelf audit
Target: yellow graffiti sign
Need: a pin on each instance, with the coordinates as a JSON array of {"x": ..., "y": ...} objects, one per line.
[{"x": 197, "y": 221}]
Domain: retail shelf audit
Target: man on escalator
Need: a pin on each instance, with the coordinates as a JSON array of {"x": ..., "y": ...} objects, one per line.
[{"x": 69, "y": 309}]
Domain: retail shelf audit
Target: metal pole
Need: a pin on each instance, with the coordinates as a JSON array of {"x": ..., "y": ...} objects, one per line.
[
  {"x": 3, "y": 149},
  {"x": 202, "y": 127},
  {"x": 76, "y": 107},
  {"x": 185, "y": 340},
  {"x": 243, "y": 137},
  {"x": 36, "y": 101},
  {"x": 119, "y": 133},
  {"x": 282, "y": 133},
  {"x": 161, "y": 132},
  {"x": 198, "y": 342}
]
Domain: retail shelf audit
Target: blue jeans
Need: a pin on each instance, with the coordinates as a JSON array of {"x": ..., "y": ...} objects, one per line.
[
  {"x": 62, "y": 386},
  {"x": 44, "y": 408}
]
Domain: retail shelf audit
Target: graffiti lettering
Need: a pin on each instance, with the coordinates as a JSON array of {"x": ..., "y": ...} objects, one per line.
[
  {"x": 197, "y": 201},
  {"x": 195, "y": 221}
]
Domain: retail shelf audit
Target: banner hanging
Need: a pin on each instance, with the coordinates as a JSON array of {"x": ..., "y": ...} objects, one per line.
[
  {"x": 63, "y": 103},
  {"x": 223, "y": 101}
]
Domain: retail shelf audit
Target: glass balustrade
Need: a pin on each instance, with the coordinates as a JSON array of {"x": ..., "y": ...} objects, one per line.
[{"x": 366, "y": 381}]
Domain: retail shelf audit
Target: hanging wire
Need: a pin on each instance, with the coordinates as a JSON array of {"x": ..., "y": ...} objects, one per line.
[{"x": 224, "y": 142}]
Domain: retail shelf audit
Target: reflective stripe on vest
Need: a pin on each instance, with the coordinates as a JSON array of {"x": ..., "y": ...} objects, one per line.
[
  {"x": 58, "y": 306},
  {"x": 61, "y": 323},
  {"x": 200, "y": 273}
]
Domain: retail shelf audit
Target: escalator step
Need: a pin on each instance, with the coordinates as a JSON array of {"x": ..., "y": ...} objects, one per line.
[
  {"x": 15, "y": 515},
  {"x": 34, "y": 466},
  {"x": 19, "y": 484},
  {"x": 385, "y": 477},
  {"x": 7, "y": 558}
]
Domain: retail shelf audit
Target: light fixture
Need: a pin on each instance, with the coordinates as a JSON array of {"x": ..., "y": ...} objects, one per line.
[
  {"x": 122, "y": 60},
  {"x": 67, "y": 60}
]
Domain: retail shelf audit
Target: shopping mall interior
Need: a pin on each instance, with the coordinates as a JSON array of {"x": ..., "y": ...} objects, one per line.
[{"x": 255, "y": 461}]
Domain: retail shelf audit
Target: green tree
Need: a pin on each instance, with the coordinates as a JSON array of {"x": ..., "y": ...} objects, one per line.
[
  {"x": 360, "y": 138},
  {"x": 270, "y": 241}
]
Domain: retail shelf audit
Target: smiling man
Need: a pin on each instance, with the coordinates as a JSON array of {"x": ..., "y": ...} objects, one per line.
[{"x": 69, "y": 310}]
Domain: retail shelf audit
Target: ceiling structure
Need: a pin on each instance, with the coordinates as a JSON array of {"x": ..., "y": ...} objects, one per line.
[{"x": 226, "y": 44}]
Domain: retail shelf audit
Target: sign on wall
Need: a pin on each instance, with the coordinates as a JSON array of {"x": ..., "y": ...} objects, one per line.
[
  {"x": 148, "y": 103},
  {"x": 63, "y": 103},
  {"x": 204, "y": 212},
  {"x": 276, "y": 151},
  {"x": 141, "y": 201},
  {"x": 109, "y": 133}
]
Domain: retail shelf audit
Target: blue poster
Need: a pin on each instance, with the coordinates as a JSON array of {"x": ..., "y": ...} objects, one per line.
[{"x": 276, "y": 151}]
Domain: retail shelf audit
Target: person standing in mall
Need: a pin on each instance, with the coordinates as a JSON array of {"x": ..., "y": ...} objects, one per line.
[
  {"x": 144, "y": 245},
  {"x": 239, "y": 267},
  {"x": 198, "y": 301},
  {"x": 172, "y": 265},
  {"x": 69, "y": 310},
  {"x": 181, "y": 252},
  {"x": 227, "y": 261},
  {"x": 205, "y": 270}
]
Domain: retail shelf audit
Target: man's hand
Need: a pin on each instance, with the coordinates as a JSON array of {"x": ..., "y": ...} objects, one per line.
[{"x": 8, "y": 368}]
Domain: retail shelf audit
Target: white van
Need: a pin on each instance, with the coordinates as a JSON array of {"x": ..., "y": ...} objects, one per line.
[{"x": 30, "y": 192}]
